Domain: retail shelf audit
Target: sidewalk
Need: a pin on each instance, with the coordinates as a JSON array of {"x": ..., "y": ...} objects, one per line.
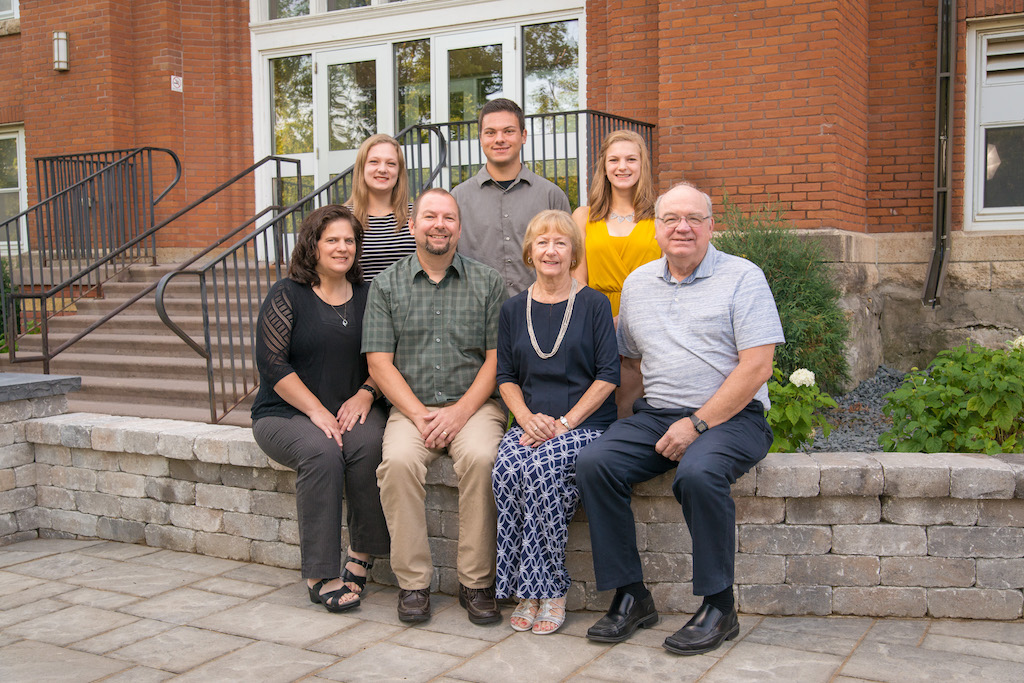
[{"x": 97, "y": 610}]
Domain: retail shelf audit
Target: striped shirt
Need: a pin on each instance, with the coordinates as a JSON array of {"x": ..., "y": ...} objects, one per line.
[{"x": 383, "y": 244}]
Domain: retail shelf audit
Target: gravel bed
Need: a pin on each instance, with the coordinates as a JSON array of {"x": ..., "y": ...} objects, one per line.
[{"x": 858, "y": 421}]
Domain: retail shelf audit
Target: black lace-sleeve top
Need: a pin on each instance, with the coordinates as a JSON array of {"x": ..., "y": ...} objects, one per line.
[{"x": 297, "y": 332}]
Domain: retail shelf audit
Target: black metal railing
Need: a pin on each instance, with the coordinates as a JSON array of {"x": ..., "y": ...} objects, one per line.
[
  {"x": 235, "y": 280},
  {"x": 562, "y": 147},
  {"x": 71, "y": 283},
  {"x": 85, "y": 231}
]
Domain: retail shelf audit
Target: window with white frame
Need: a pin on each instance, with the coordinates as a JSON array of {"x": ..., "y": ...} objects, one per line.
[
  {"x": 8, "y": 9},
  {"x": 994, "y": 183},
  {"x": 285, "y": 9},
  {"x": 12, "y": 180}
]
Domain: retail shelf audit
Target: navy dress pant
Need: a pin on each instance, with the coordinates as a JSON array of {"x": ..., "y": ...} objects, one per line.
[{"x": 607, "y": 468}]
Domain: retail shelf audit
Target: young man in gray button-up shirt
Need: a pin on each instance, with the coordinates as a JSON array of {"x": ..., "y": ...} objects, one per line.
[{"x": 503, "y": 197}]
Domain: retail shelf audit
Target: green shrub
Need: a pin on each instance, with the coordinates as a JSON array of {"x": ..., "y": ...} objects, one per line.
[
  {"x": 796, "y": 412},
  {"x": 816, "y": 328},
  {"x": 969, "y": 400},
  {"x": 7, "y": 307}
]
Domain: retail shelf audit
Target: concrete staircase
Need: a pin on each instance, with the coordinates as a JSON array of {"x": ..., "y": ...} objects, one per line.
[{"x": 134, "y": 364}]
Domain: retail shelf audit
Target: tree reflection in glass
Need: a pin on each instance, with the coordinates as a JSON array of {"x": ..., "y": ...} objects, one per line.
[
  {"x": 283, "y": 9},
  {"x": 352, "y": 103},
  {"x": 292, "y": 88},
  {"x": 551, "y": 65},
  {"x": 474, "y": 77}
]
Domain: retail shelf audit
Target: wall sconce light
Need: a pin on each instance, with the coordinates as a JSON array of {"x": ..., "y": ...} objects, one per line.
[{"x": 60, "y": 51}]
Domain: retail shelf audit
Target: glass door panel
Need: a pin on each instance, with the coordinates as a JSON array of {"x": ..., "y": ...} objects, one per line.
[
  {"x": 354, "y": 101},
  {"x": 469, "y": 70}
]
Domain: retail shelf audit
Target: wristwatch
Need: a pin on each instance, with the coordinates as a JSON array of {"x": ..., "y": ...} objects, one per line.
[{"x": 700, "y": 425}]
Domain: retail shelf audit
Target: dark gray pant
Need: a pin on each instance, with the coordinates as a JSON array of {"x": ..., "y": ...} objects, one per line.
[{"x": 323, "y": 472}]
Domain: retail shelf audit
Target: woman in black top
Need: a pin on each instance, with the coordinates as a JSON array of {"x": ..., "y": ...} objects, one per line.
[{"x": 317, "y": 410}]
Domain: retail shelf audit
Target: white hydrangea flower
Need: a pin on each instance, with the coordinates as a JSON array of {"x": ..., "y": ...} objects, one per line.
[
  {"x": 1018, "y": 343},
  {"x": 802, "y": 378}
]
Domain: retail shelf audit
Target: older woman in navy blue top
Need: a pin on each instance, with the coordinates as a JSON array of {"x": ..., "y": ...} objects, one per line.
[
  {"x": 317, "y": 410},
  {"x": 558, "y": 365}
]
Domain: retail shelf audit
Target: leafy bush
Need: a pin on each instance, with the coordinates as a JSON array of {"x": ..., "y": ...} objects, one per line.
[
  {"x": 969, "y": 400},
  {"x": 816, "y": 327},
  {"x": 795, "y": 414},
  {"x": 6, "y": 305}
]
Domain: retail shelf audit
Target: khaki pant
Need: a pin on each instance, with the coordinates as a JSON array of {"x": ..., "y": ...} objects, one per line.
[{"x": 401, "y": 478}]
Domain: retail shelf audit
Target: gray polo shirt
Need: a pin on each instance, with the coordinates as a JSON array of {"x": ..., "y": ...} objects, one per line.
[
  {"x": 688, "y": 334},
  {"x": 494, "y": 221}
]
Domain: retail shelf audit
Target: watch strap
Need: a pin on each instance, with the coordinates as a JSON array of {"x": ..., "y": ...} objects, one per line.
[{"x": 700, "y": 425}]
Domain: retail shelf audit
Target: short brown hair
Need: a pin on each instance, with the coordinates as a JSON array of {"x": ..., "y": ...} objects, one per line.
[
  {"x": 434, "y": 190},
  {"x": 302, "y": 267},
  {"x": 502, "y": 104},
  {"x": 557, "y": 221}
]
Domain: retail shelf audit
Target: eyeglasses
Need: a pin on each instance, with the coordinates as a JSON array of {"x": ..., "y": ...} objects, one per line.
[{"x": 694, "y": 220}]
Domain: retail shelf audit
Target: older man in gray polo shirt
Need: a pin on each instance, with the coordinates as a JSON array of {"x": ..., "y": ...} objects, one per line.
[
  {"x": 503, "y": 197},
  {"x": 701, "y": 326}
]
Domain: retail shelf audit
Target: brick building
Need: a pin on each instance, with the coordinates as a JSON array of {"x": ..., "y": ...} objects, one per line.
[{"x": 829, "y": 107}]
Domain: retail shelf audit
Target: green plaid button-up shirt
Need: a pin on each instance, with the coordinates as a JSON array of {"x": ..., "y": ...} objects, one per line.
[{"x": 439, "y": 332}]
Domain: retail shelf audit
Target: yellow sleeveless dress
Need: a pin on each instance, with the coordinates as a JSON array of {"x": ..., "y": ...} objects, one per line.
[{"x": 610, "y": 259}]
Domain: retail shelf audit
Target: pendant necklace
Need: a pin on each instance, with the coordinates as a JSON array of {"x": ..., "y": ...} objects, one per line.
[
  {"x": 561, "y": 330},
  {"x": 344, "y": 309},
  {"x": 621, "y": 219}
]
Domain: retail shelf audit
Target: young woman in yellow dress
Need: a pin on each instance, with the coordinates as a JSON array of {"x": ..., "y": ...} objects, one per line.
[{"x": 618, "y": 226}]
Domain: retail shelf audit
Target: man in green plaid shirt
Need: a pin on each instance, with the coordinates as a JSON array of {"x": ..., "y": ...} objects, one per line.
[{"x": 430, "y": 334}]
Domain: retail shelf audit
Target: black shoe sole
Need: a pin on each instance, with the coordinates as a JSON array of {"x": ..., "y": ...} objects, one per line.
[
  {"x": 703, "y": 650},
  {"x": 647, "y": 622}
]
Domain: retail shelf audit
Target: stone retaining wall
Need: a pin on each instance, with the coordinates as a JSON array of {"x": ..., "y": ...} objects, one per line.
[{"x": 867, "y": 534}]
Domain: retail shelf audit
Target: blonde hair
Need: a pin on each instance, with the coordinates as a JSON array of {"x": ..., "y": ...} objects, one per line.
[
  {"x": 600, "y": 197},
  {"x": 360, "y": 199},
  {"x": 553, "y": 220}
]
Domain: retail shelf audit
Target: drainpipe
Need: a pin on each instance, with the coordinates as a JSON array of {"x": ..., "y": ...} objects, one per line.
[{"x": 942, "y": 206}]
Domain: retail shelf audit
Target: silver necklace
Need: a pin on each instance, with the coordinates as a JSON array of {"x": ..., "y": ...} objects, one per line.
[
  {"x": 621, "y": 219},
  {"x": 344, "y": 308},
  {"x": 561, "y": 330}
]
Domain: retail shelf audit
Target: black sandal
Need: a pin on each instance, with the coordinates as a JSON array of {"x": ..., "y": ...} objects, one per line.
[
  {"x": 314, "y": 590},
  {"x": 332, "y": 601},
  {"x": 349, "y": 577}
]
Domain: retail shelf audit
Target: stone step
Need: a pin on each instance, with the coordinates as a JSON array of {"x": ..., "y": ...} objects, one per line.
[
  {"x": 79, "y": 402},
  {"x": 111, "y": 340}
]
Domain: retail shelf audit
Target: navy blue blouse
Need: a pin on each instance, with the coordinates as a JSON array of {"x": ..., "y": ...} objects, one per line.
[{"x": 588, "y": 352}]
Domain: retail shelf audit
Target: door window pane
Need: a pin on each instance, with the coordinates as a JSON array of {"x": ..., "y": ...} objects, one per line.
[
  {"x": 282, "y": 9},
  {"x": 352, "y": 103},
  {"x": 474, "y": 77},
  {"x": 1004, "y": 167},
  {"x": 8, "y": 163},
  {"x": 345, "y": 4},
  {"x": 551, "y": 67},
  {"x": 292, "y": 88},
  {"x": 412, "y": 75}
]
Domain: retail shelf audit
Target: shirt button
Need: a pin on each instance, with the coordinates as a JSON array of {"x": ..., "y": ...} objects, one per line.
[
  {"x": 437, "y": 367},
  {"x": 505, "y": 215},
  {"x": 437, "y": 339},
  {"x": 508, "y": 260},
  {"x": 437, "y": 312},
  {"x": 507, "y": 239}
]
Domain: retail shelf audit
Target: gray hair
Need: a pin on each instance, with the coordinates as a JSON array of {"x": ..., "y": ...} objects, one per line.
[{"x": 705, "y": 195}]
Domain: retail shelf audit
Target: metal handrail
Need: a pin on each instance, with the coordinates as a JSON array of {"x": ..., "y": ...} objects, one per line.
[
  {"x": 230, "y": 283},
  {"x": 47, "y": 355},
  {"x": 107, "y": 206}
]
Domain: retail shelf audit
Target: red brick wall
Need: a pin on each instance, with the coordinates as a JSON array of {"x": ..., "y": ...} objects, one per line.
[
  {"x": 11, "y": 91},
  {"x": 828, "y": 107},
  {"x": 117, "y": 94}
]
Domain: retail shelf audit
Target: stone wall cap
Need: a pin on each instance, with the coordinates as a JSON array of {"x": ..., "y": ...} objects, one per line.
[{"x": 15, "y": 386}]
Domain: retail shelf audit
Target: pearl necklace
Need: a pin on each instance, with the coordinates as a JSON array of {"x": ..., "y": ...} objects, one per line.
[
  {"x": 561, "y": 330},
  {"x": 621, "y": 219}
]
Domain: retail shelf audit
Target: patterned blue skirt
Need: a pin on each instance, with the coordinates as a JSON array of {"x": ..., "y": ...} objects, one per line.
[{"x": 536, "y": 496}]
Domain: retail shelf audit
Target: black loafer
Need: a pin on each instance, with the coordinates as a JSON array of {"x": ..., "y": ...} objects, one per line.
[
  {"x": 624, "y": 617},
  {"x": 704, "y": 632}
]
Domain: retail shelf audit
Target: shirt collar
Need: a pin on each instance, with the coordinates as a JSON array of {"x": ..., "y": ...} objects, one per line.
[
  {"x": 457, "y": 265},
  {"x": 706, "y": 267},
  {"x": 525, "y": 175}
]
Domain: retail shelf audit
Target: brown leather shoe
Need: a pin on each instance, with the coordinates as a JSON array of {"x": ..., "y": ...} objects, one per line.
[
  {"x": 414, "y": 605},
  {"x": 480, "y": 604}
]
